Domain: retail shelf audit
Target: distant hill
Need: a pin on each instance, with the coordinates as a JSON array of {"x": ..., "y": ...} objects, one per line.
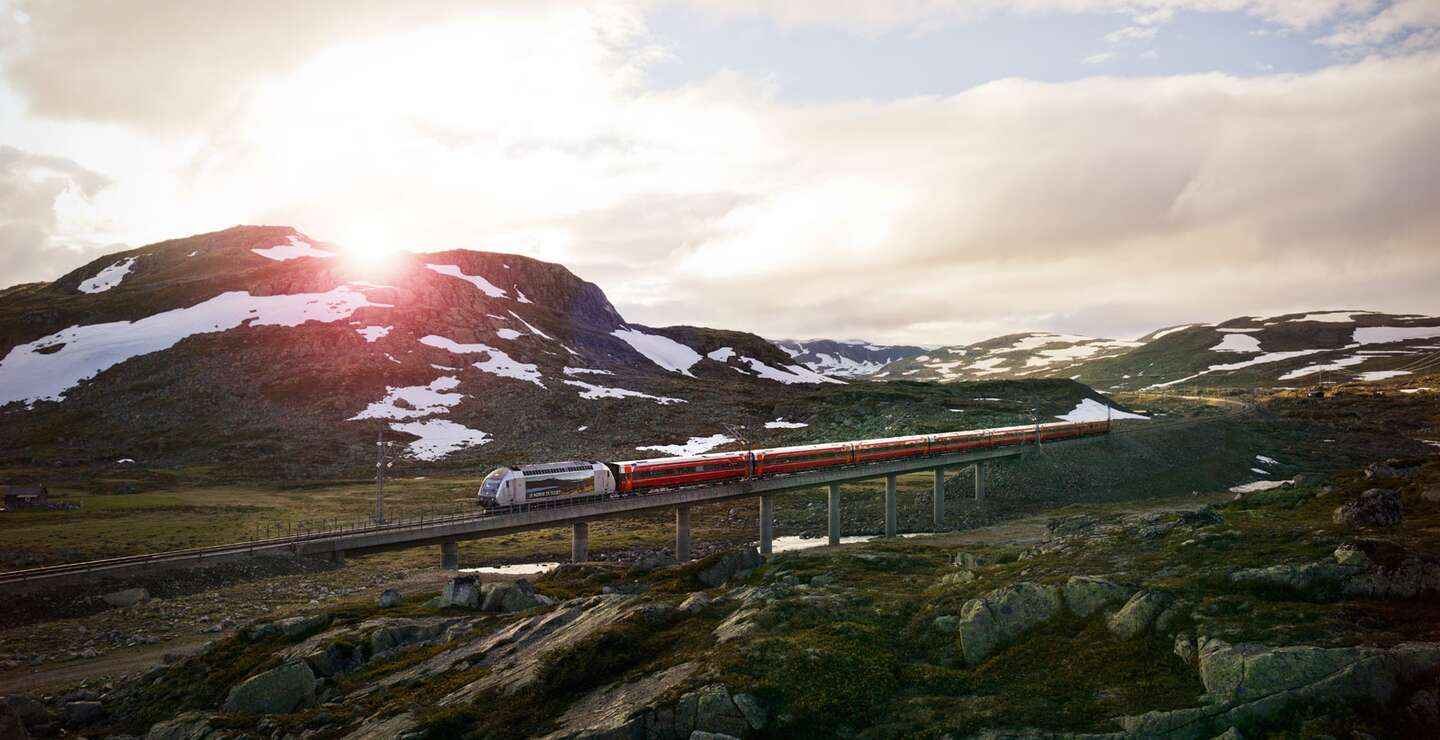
[
  {"x": 847, "y": 358},
  {"x": 1026, "y": 355},
  {"x": 1267, "y": 351},
  {"x": 259, "y": 351}
]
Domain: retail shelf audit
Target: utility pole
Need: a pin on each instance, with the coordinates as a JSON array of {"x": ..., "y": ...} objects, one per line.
[{"x": 380, "y": 477}]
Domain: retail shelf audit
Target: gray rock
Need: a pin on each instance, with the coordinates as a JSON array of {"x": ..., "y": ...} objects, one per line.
[
  {"x": 30, "y": 712},
  {"x": 651, "y": 562},
  {"x": 716, "y": 712},
  {"x": 126, "y": 597},
  {"x": 824, "y": 579},
  {"x": 462, "y": 591},
  {"x": 958, "y": 578},
  {"x": 388, "y": 599},
  {"x": 969, "y": 560},
  {"x": 1000, "y": 616},
  {"x": 1377, "y": 507},
  {"x": 1352, "y": 555},
  {"x": 1085, "y": 595},
  {"x": 729, "y": 565},
  {"x": 1380, "y": 471},
  {"x": 508, "y": 597},
  {"x": 947, "y": 623},
  {"x": 1185, "y": 648},
  {"x": 277, "y": 691},
  {"x": 188, "y": 726},
  {"x": 1136, "y": 616},
  {"x": 83, "y": 713},
  {"x": 695, "y": 602},
  {"x": 754, "y": 712}
]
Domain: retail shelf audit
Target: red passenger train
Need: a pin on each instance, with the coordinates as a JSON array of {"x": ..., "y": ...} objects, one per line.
[{"x": 513, "y": 486}]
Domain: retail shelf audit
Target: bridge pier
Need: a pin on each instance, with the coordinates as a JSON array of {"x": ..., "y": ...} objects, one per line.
[
  {"x": 982, "y": 474},
  {"x": 833, "y": 501},
  {"x": 890, "y": 506},
  {"x": 767, "y": 524},
  {"x": 337, "y": 557},
  {"x": 939, "y": 499},
  {"x": 450, "y": 555},
  {"x": 580, "y": 542},
  {"x": 682, "y": 533}
]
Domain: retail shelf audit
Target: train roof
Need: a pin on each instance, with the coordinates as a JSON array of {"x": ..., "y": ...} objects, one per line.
[{"x": 684, "y": 458}]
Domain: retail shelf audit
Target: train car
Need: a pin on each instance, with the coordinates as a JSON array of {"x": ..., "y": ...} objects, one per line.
[
  {"x": 804, "y": 457},
  {"x": 528, "y": 484},
  {"x": 670, "y": 472},
  {"x": 952, "y": 442},
  {"x": 893, "y": 448}
]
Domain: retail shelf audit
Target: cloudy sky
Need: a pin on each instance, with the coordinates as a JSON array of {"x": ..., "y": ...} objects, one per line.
[{"x": 928, "y": 171}]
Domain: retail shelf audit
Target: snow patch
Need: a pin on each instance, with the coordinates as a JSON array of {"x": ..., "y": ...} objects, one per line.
[
  {"x": 1383, "y": 374},
  {"x": 1343, "y": 362},
  {"x": 520, "y": 294},
  {"x": 1387, "y": 334},
  {"x": 418, "y": 400},
  {"x": 1267, "y": 460},
  {"x": 487, "y": 287},
  {"x": 1332, "y": 317},
  {"x": 37, "y": 371},
  {"x": 1091, "y": 410},
  {"x": 593, "y": 392},
  {"x": 499, "y": 363},
  {"x": 531, "y": 327},
  {"x": 725, "y": 353},
  {"x": 108, "y": 277},
  {"x": 782, "y": 424},
  {"x": 692, "y": 446},
  {"x": 663, "y": 351},
  {"x": 1237, "y": 343},
  {"x": 372, "y": 333},
  {"x": 1259, "y": 485},
  {"x": 789, "y": 375},
  {"x": 508, "y": 334},
  {"x": 440, "y": 437},
  {"x": 586, "y": 371},
  {"x": 296, "y": 249}
]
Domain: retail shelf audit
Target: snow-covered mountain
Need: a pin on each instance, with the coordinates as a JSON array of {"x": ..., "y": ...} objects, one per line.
[
  {"x": 1031, "y": 354},
  {"x": 844, "y": 358},
  {"x": 1271, "y": 351},
  {"x": 259, "y": 349}
]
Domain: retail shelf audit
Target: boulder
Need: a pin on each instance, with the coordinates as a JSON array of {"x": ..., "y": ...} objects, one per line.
[
  {"x": 1185, "y": 648},
  {"x": 388, "y": 599},
  {"x": 1085, "y": 595},
  {"x": 508, "y": 597},
  {"x": 1136, "y": 616},
  {"x": 461, "y": 591},
  {"x": 958, "y": 578},
  {"x": 1000, "y": 616},
  {"x": 728, "y": 565},
  {"x": 11, "y": 726},
  {"x": 1380, "y": 471},
  {"x": 188, "y": 726},
  {"x": 752, "y": 709},
  {"x": 947, "y": 623},
  {"x": 716, "y": 712},
  {"x": 30, "y": 712},
  {"x": 1377, "y": 507},
  {"x": 126, "y": 597},
  {"x": 969, "y": 560},
  {"x": 334, "y": 659},
  {"x": 83, "y": 713},
  {"x": 1353, "y": 555},
  {"x": 277, "y": 691}
]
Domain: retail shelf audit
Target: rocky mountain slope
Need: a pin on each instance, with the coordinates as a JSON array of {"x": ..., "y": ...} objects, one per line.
[
  {"x": 845, "y": 359},
  {"x": 1268, "y": 351},
  {"x": 265, "y": 352}
]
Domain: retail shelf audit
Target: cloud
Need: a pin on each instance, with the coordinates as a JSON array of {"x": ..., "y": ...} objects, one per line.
[
  {"x": 35, "y": 192},
  {"x": 1098, "y": 58},
  {"x": 1104, "y": 205}
]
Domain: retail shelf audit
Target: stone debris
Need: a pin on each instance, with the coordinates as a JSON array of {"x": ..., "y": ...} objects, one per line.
[{"x": 1377, "y": 507}]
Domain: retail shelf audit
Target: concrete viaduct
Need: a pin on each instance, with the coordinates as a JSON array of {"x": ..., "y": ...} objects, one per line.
[{"x": 448, "y": 531}]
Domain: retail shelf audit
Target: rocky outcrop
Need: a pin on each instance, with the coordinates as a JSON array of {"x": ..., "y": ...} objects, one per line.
[
  {"x": 1085, "y": 595},
  {"x": 292, "y": 627},
  {"x": 1349, "y": 573},
  {"x": 1249, "y": 685},
  {"x": 1000, "y": 616},
  {"x": 276, "y": 691},
  {"x": 388, "y": 599},
  {"x": 126, "y": 597},
  {"x": 466, "y": 592},
  {"x": 1138, "y": 614},
  {"x": 729, "y": 565},
  {"x": 1377, "y": 507},
  {"x": 188, "y": 726},
  {"x": 460, "y": 591}
]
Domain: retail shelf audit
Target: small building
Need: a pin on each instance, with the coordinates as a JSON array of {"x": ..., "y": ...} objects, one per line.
[{"x": 22, "y": 498}]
